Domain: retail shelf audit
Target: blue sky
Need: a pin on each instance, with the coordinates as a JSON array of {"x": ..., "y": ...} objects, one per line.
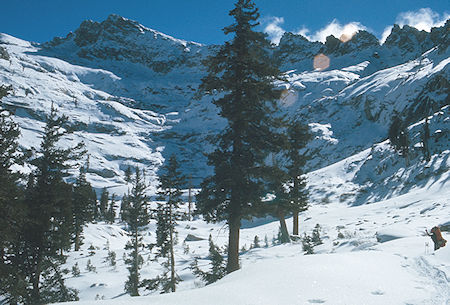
[{"x": 202, "y": 20}]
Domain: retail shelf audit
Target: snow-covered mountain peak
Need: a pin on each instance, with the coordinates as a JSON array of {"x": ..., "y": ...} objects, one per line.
[{"x": 121, "y": 39}]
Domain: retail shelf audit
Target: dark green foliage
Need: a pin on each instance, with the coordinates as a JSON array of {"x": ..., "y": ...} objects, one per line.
[
  {"x": 49, "y": 214},
  {"x": 286, "y": 180},
  {"x": 136, "y": 216},
  {"x": 218, "y": 266},
  {"x": 425, "y": 137},
  {"x": 12, "y": 278},
  {"x": 90, "y": 267},
  {"x": 124, "y": 206},
  {"x": 256, "y": 242},
  {"x": 91, "y": 250},
  {"x": 111, "y": 258},
  {"x": 103, "y": 206},
  {"x": 242, "y": 74},
  {"x": 84, "y": 206},
  {"x": 399, "y": 137},
  {"x": 308, "y": 245},
  {"x": 298, "y": 136},
  {"x": 167, "y": 215},
  {"x": 128, "y": 174},
  {"x": 3, "y": 55},
  {"x": 76, "y": 270},
  {"x": 111, "y": 212},
  {"x": 4, "y": 91},
  {"x": 53, "y": 287},
  {"x": 315, "y": 237}
]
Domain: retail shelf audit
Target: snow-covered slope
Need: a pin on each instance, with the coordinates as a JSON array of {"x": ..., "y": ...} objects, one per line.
[
  {"x": 371, "y": 254},
  {"x": 117, "y": 79}
]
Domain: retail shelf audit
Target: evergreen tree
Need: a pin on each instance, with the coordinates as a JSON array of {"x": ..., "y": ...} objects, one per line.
[
  {"x": 218, "y": 266},
  {"x": 398, "y": 136},
  {"x": 136, "y": 217},
  {"x": 12, "y": 278},
  {"x": 124, "y": 206},
  {"x": 256, "y": 242},
  {"x": 111, "y": 212},
  {"x": 103, "y": 206},
  {"x": 281, "y": 203},
  {"x": 84, "y": 205},
  {"x": 49, "y": 214},
  {"x": 128, "y": 174},
  {"x": 298, "y": 136},
  {"x": 307, "y": 244},
  {"x": 425, "y": 136},
  {"x": 243, "y": 74},
  {"x": 168, "y": 213},
  {"x": 315, "y": 237}
]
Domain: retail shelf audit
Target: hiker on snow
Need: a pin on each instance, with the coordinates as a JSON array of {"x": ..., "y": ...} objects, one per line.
[{"x": 437, "y": 238}]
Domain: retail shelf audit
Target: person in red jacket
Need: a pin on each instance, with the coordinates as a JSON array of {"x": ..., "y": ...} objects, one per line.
[{"x": 437, "y": 238}]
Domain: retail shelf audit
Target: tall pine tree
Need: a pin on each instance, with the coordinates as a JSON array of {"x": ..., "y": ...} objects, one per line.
[
  {"x": 399, "y": 137},
  {"x": 12, "y": 280},
  {"x": 243, "y": 75},
  {"x": 168, "y": 213},
  {"x": 103, "y": 206},
  {"x": 298, "y": 136},
  {"x": 49, "y": 208},
  {"x": 83, "y": 207},
  {"x": 136, "y": 216}
]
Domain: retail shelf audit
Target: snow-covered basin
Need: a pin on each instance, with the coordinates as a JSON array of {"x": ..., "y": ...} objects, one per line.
[{"x": 392, "y": 274}]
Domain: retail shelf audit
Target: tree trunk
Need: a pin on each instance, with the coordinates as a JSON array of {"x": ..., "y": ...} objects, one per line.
[
  {"x": 234, "y": 223},
  {"x": 2, "y": 253},
  {"x": 77, "y": 239},
  {"x": 284, "y": 231},
  {"x": 136, "y": 264},
  {"x": 36, "y": 278},
  {"x": 172, "y": 263},
  {"x": 295, "y": 223}
]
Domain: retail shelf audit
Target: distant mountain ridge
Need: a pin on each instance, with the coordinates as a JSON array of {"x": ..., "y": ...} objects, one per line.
[{"x": 123, "y": 83}]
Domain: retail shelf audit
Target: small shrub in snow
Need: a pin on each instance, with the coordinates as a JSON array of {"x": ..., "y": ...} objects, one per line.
[
  {"x": 4, "y": 54},
  {"x": 218, "y": 265},
  {"x": 266, "y": 241},
  {"x": 307, "y": 244},
  {"x": 75, "y": 270},
  {"x": 91, "y": 250},
  {"x": 185, "y": 248},
  {"x": 315, "y": 237},
  {"x": 244, "y": 248},
  {"x": 256, "y": 242},
  {"x": 90, "y": 267},
  {"x": 111, "y": 258}
]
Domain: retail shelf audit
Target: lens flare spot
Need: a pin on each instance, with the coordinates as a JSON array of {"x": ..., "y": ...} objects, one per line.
[
  {"x": 288, "y": 97},
  {"x": 347, "y": 36},
  {"x": 321, "y": 62}
]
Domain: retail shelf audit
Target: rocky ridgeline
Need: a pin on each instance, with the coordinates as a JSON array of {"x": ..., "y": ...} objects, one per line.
[{"x": 123, "y": 69}]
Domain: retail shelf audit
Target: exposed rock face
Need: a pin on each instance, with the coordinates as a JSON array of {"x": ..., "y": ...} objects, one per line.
[{"x": 120, "y": 39}]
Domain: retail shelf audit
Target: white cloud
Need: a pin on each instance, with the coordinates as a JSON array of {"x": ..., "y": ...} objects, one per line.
[
  {"x": 423, "y": 19},
  {"x": 337, "y": 30},
  {"x": 386, "y": 33},
  {"x": 273, "y": 28}
]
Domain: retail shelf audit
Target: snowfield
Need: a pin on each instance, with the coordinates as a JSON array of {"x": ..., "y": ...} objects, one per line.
[{"x": 376, "y": 253}]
